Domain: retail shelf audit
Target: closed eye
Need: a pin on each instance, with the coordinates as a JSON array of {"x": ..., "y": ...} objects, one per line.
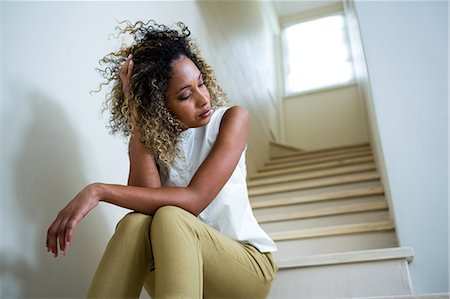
[
  {"x": 186, "y": 97},
  {"x": 200, "y": 80},
  {"x": 200, "y": 84}
]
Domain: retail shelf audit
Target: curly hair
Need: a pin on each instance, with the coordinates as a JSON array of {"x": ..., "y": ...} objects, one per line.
[{"x": 144, "y": 111}]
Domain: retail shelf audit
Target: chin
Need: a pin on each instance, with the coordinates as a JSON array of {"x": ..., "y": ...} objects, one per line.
[{"x": 202, "y": 123}]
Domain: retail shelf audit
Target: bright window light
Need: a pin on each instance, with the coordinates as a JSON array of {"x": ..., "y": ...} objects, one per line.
[{"x": 317, "y": 54}]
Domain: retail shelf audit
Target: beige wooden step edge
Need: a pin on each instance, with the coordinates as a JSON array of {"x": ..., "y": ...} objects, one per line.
[
  {"x": 340, "y": 170},
  {"x": 317, "y": 166},
  {"x": 308, "y": 155},
  {"x": 335, "y": 195},
  {"x": 349, "y": 257},
  {"x": 333, "y": 231},
  {"x": 314, "y": 183},
  {"x": 327, "y": 149},
  {"x": 314, "y": 161},
  {"x": 322, "y": 212}
]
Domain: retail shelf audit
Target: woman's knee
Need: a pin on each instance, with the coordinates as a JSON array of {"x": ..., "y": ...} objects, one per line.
[
  {"x": 168, "y": 211},
  {"x": 168, "y": 218},
  {"x": 134, "y": 223}
]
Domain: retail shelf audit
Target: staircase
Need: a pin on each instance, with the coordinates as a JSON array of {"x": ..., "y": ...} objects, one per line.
[{"x": 327, "y": 213}]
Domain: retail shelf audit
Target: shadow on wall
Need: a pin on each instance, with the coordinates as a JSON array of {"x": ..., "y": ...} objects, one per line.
[{"x": 47, "y": 173}]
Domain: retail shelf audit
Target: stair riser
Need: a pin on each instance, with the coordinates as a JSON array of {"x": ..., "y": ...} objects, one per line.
[
  {"x": 315, "y": 161},
  {"x": 298, "y": 193},
  {"x": 332, "y": 244},
  {"x": 363, "y": 279},
  {"x": 314, "y": 184},
  {"x": 325, "y": 150},
  {"x": 306, "y": 156},
  {"x": 325, "y": 221},
  {"x": 313, "y": 174},
  {"x": 320, "y": 166},
  {"x": 315, "y": 205}
]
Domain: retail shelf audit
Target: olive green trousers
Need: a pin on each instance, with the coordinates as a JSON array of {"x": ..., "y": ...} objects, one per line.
[{"x": 173, "y": 254}]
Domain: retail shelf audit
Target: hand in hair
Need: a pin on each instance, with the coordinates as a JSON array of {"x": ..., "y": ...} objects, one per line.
[{"x": 125, "y": 73}]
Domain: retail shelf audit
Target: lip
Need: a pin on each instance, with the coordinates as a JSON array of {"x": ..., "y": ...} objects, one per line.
[{"x": 206, "y": 113}]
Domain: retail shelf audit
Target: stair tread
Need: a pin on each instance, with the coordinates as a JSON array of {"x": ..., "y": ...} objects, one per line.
[
  {"x": 295, "y": 248},
  {"x": 324, "y": 165},
  {"x": 314, "y": 183},
  {"x": 340, "y": 170},
  {"x": 312, "y": 155},
  {"x": 348, "y": 257},
  {"x": 332, "y": 230},
  {"x": 337, "y": 157},
  {"x": 367, "y": 191},
  {"x": 328, "y": 211},
  {"x": 327, "y": 149}
]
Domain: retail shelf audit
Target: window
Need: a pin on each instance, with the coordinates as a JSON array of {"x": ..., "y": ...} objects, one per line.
[{"x": 316, "y": 54}]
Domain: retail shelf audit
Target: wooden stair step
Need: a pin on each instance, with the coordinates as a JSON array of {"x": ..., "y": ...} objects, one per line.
[
  {"x": 318, "y": 166},
  {"x": 346, "y": 209},
  {"x": 333, "y": 231},
  {"x": 314, "y": 161},
  {"x": 317, "y": 205},
  {"x": 295, "y": 248},
  {"x": 319, "y": 190},
  {"x": 313, "y": 174},
  {"x": 330, "y": 149},
  {"x": 348, "y": 257},
  {"x": 376, "y": 273},
  {"x": 325, "y": 196},
  {"x": 315, "y": 183},
  {"x": 311, "y": 155},
  {"x": 326, "y": 221}
]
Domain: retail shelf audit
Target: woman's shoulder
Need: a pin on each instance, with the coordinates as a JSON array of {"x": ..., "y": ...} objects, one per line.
[
  {"x": 234, "y": 114},
  {"x": 234, "y": 122},
  {"x": 227, "y": 120}
]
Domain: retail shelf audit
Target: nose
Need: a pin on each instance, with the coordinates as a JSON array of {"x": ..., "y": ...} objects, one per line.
[{"x": 202, "y": 97}]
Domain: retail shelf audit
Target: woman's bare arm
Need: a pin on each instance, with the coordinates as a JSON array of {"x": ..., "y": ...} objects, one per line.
[
  {"x": 207, "y": 182},
  {"x": 143, "y": 168}
]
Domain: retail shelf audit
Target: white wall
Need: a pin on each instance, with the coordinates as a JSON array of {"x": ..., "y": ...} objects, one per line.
[
  {"x": 2, "y": 155},
  {"x": 406, "y": 48},
  {"x": 329, "y": 118},
  {"x": 54, "y": 141},
  {"x": 242, "y": 45}
]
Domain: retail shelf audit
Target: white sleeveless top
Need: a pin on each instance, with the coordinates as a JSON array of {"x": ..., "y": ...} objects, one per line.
[{"x": 230, "y": 211}]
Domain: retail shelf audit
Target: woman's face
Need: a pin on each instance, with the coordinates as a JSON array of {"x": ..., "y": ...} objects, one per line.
[{"x": 187, "y": 96}]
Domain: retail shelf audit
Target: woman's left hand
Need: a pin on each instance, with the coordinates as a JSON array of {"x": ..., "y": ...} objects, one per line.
[
  {"x": 125, "y": 72},
  {"x": 62, "y": 229}
]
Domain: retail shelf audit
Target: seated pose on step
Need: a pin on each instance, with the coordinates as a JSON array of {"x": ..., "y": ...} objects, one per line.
[{"x": 192, "y": 233}]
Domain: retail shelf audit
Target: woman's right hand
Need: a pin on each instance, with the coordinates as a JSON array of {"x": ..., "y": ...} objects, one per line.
[
  {"x": 62, "y": 229},
  {"x": 125, "y": 73}
]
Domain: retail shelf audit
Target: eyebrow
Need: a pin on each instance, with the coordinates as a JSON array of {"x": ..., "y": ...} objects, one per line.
[{"x": 189, "y": 85}]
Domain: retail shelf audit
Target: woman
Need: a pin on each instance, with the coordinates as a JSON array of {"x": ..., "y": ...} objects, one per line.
[{"x": 192, "y": 233}]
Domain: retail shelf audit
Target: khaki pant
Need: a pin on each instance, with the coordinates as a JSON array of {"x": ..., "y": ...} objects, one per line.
[{"x": 175, "y": 255}]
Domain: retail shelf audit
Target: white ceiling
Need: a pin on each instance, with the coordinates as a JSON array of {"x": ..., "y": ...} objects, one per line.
[{"x": 290, "y": 7}]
